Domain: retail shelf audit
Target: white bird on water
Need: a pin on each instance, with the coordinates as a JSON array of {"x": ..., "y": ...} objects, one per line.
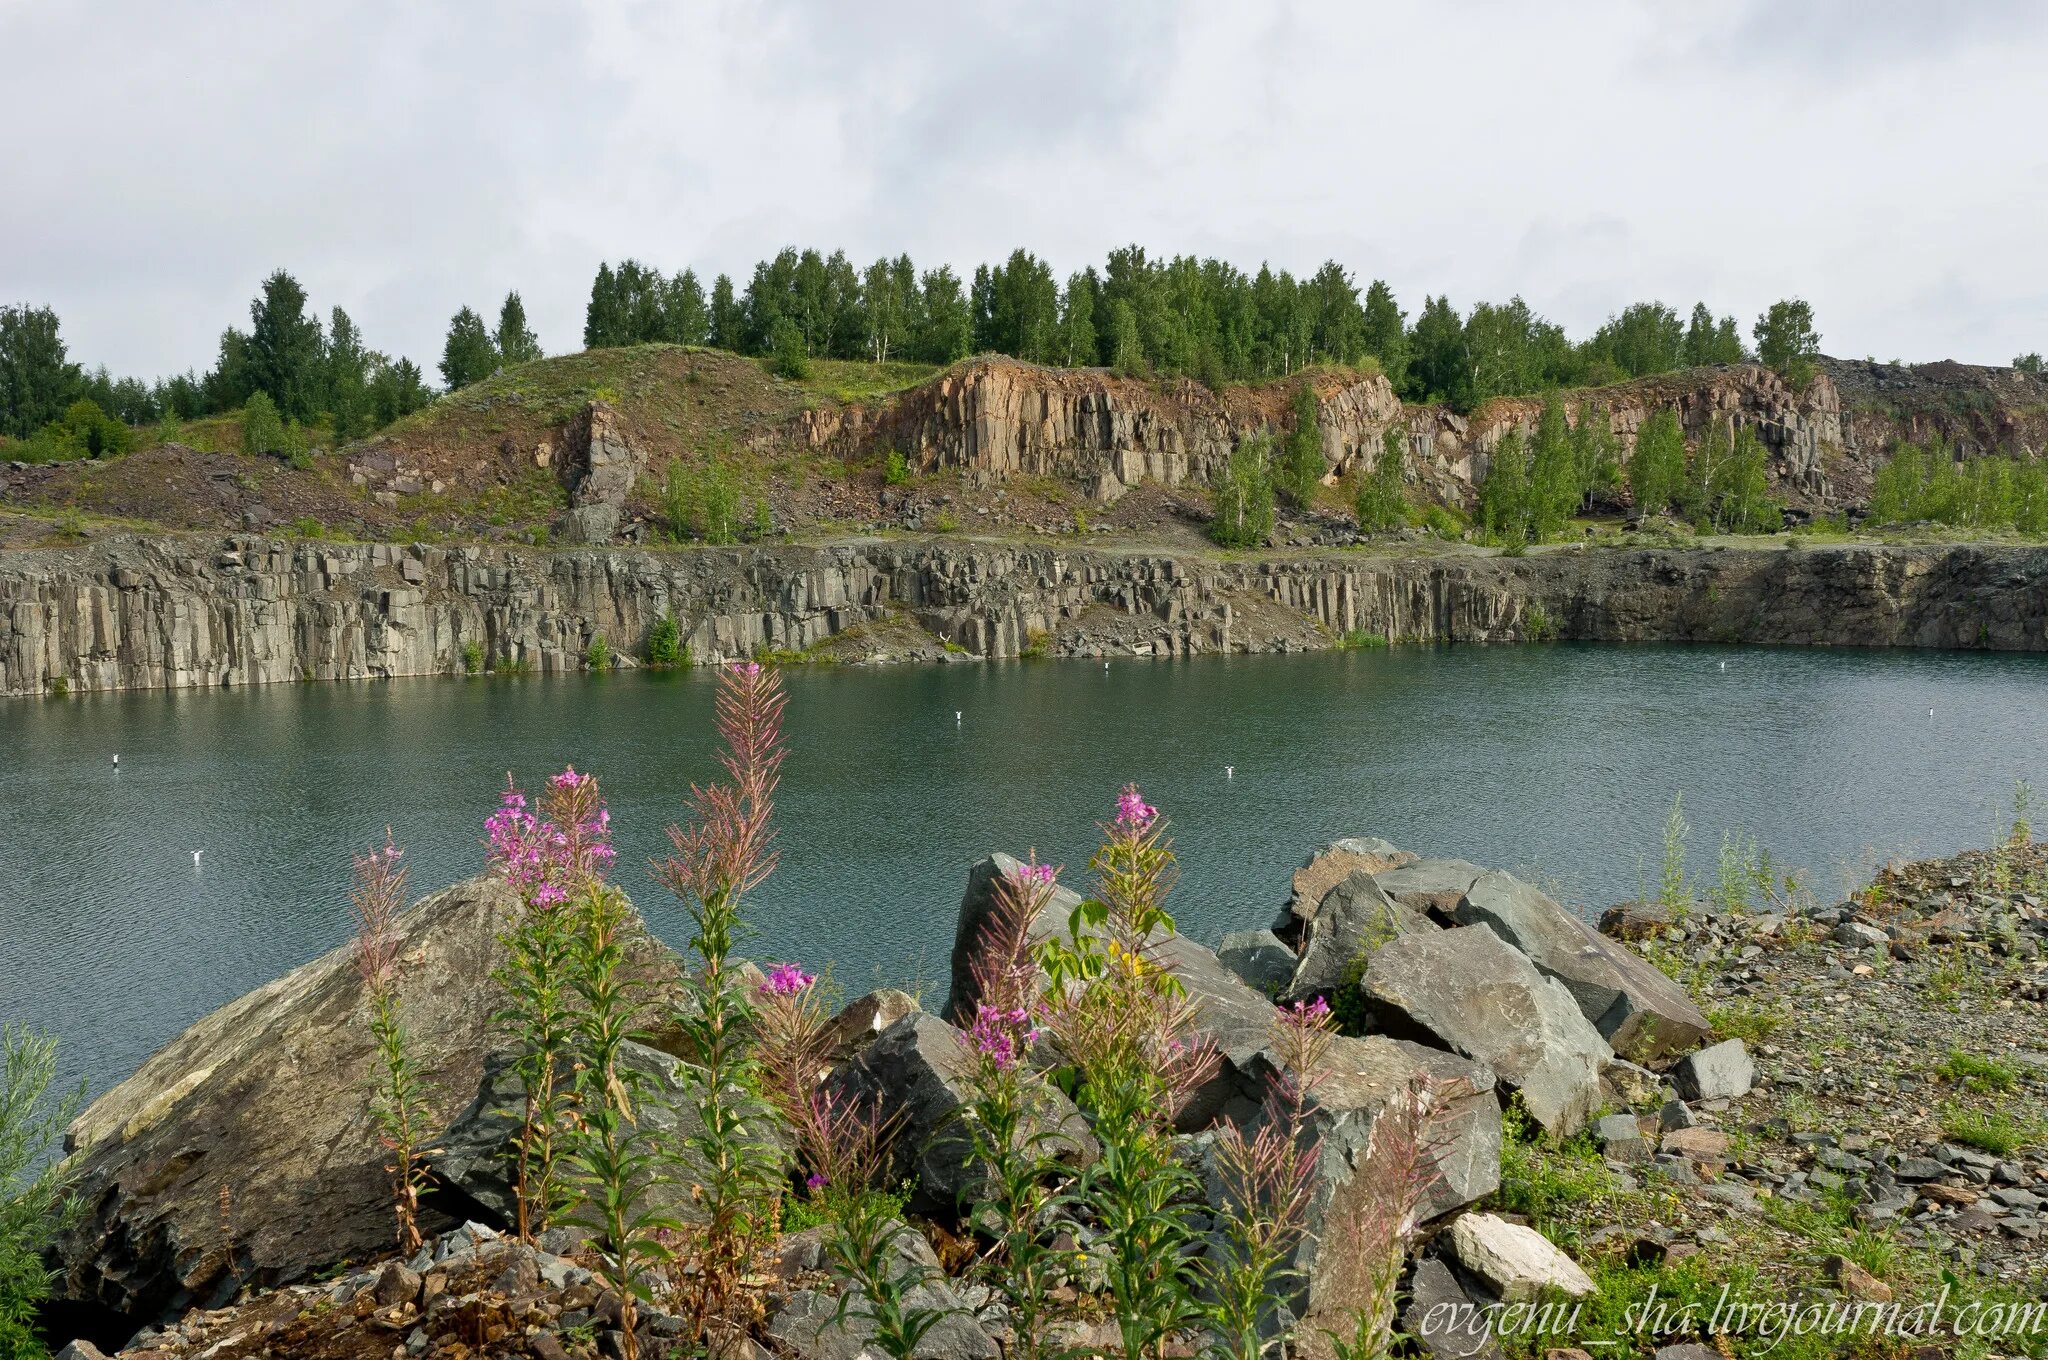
[
  {"x": 195, "y": 857},
  {"x": 1724, "y": 665},
  {"x": 956, "y": 717},
  {"x": 1230, "y": 771}
]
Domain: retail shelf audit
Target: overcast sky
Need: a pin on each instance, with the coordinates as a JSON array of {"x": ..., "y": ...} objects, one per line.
[{"x": 1882, "y": 158}]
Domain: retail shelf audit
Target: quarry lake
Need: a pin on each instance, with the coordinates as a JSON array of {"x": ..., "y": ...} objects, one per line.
[{"x": 1558, "y": 762}]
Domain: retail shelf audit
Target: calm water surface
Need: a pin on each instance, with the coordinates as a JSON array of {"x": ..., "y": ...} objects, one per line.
[{"x": 1558, "y": 761}]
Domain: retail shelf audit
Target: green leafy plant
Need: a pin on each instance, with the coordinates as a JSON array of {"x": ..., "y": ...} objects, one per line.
[
  {"x": 597, "y": 654},
  {"x": 1124, "y": 1022},
  {"x": 895, "y": 469},
  {"x": 1243, "y": 498},
  {"x": 472, "y": 658},
  {"x": 1380, "y": 502},
  {"x": 1981, "y": 1075},
  {"x": 665, "y": 647},
  {"x": 400, "y": 1103},
  {"x": 724, "y": 852},
  {"x": 35, "y": 1199},
  {"x": 262, "y": 427}
]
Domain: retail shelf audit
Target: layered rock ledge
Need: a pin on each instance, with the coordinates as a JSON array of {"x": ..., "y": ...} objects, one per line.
[{"x": 175, "y": 611}]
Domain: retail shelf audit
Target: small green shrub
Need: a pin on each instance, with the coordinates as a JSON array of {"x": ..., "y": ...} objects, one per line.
[
  {"x": 262, "y": 427},
  {"x": 472, "y": 658},
  {"x": 792, "y": 359},
  {"x": 1037, "y": 645},
  {"x": 1982, "y": 1075},
  {"x": 946, "y": 522},
  {"x": 1358, "y": 640},
  {"x": 597, "y": 656},
  {"x": 35, "y": 1199},
  {"x": 1988, "y": 1130},
  {"x": 895, "y": 469},
  {"x": 665, "y": 644},
  {"x": 295, "y": 447},
  {"x": 305, "y": 526},
  {"x": 1536, "y": 623}
]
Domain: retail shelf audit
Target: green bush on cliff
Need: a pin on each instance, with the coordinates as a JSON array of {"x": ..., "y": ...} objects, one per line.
[
  {"x": 1244, "y": 497},
  {"x": 1928, "y": 482},
  {"x": 262, "y": 427},
  {"x": 1380, "y": 503},
  {"x": 1300, "y": 466},
  {"x": 35, "y": 1203},
  {"x": 665, "y": 643}
]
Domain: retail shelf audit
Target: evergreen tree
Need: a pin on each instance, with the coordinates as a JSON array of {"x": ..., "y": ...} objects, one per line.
[
  {"x": 468, "y": 355},
  {"x": 1300, "y": 468},
  {"x": 685, "y": 320},
  {"x": 516, "y": 344},
  {"x": 228, "y": 384},
  {"x": 1786, "y": 341},
  {"x": 791, "y": 359},
  {"x": 1504, "y": 508},
  {"x": 286, "y": 355},
  {"x": 1244, "y": 497},
  {"x": 37, "y": 378},
  {"x": 1656, "y": 472},
  {"x": 1381, "y": 504},
  {"x": 396, "y": 389},
  {"x": 1554, "y": 490},
  {"x": 945, "y": 325},
  {"x": 728, "y": 321},
  {"x": 1708, "y": 341},
  {"x": 770, "y": 296},
  {"x": 1078, "y": 347},
  {"x": 1338, "y": 322},
  {"x": 348, "y": 377},
  {"x": 1439, "y": 368},
  {"x": 604, "y": 320},
  {"x": 1383, "y": 332}
]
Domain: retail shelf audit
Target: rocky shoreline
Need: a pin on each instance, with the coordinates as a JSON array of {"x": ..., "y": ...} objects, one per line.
[
  {"x": 1790, "y": 1097},
  {"x": 180, "y": 611}
]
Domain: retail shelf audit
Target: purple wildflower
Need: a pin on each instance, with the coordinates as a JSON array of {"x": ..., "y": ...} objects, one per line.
[
  {"x": 1132, "y": 811},
  {"x": 815, "y": 1182},
  {"x": 786, "y": 979}
]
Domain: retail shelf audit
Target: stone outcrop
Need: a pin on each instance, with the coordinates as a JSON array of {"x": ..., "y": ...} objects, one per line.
[
  {"x": 260, "y": 1105},
  {"x": 1469, "y": 991},
  {"x": 600, "y": 468},
  {"x": 1800, "y": 428},
  {"x": 1639, "y": 1010},
  {"x": 994, "y": 417},
  {"x": 178, "y": 611}
]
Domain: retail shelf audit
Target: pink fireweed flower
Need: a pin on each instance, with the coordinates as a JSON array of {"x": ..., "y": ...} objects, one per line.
[
  {"x": 786, "y": 979},
  {"x": 1002, "y": 1036},
  {"x": 1132, "y": 811},
  {"x": 1032, "y": 873},
  {"x": 746, "y": 668},
  {"x": 546, "y": 856}
]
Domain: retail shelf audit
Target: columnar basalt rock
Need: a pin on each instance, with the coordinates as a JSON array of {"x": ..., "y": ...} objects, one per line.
[{"x": 178, "y": 611}]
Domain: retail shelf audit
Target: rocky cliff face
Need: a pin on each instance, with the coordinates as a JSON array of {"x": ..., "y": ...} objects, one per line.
[
  {"x": 996, "y": 418},
  {"x": 173, "y": 612},
  {"x": 1975, "y": 409},
  {"x": 1801, "y": 428}
]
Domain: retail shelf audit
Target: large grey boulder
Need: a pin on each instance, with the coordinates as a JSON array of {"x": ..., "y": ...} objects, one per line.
[
  {"x": 1721, "y": 1072},
  {"x": 917, "y": 1073},
  {"x": 1265, "y": 964},
  {"x": 1328, "y": 867},
  {"x": 265, "y": 1101},
  {"x": 473, "y": 1157},
  {"x": 1431, "y": 886},
  {"x": 1354, "y": 920},
  {"x": 1468, "y": 991},
  {"x": 1643, "y": 1014},
  {"x": 1515, "y": 1263},
  {"x": 1445, "y": 1320}
]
